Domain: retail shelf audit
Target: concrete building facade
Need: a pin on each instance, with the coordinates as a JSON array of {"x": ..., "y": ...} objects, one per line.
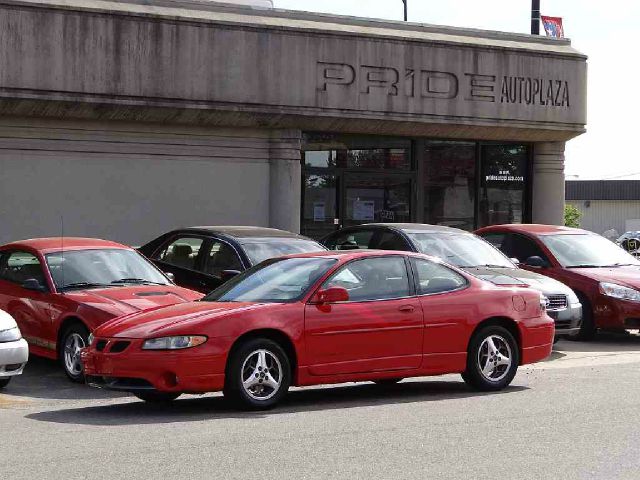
[{"x": 125, "y": 119}]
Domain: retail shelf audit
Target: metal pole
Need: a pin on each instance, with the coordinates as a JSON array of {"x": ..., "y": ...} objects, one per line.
[
  {"x": 406, "y": 16},
  {"x": 535, "y": 17}
]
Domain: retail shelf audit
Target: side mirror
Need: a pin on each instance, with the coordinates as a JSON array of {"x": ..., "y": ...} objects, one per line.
[
  {"x": 170, "y": 276},
  {"x": 332, "y": 295},
  {"x": 33, "y": 284},
  {"x": 229, "y": 274},
  {"x": 536, "y": 262}
]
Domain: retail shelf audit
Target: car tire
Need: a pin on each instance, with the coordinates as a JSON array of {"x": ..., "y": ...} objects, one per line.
[
  {"x": 157, "y": 397},
  {"x": 387, "y": 382},
  {"x": 4, "y": 382},
  {"x": 493, "y": 357},
  {"x": 258, "y": 375},
  {"x": 588, "y": 328},
  {"x": 73, "y": 339}
]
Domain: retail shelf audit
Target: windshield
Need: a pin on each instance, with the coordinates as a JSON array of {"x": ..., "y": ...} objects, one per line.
[
  {"x": 261, "y": 249},
  {"x": 101, "y": 267},
  {"x": 281, "y": 280},
  {"x": 460, "y": 249},
  {"x": 587, "y": 250}
]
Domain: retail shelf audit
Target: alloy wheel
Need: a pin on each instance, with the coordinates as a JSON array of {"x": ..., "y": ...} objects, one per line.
[
  {"x": 494, "y": 358},
  {"x": 261, "y": 375},
  {"x": 73, "y": 344}
]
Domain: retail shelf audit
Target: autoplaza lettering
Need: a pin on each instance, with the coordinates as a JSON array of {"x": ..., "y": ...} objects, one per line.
[{"x": 423, "y": 83}]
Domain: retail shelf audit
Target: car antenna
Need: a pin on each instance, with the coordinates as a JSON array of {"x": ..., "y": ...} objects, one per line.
[{"x": 62, "y": 252}]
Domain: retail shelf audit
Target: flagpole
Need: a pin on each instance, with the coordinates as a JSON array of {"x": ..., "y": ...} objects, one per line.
[
  {"x": 535, "y": 17},
  {"x": 406, "y": 16}
]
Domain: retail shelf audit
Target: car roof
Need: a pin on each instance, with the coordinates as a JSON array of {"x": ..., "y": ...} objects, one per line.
[
  {"x": 244, "y": 231},
  {"x": 533, "y": 228},
  {"x": 56, "y": 244},
  {"x": 417, "y": 227},
  {"x": 351, "y": 254}
]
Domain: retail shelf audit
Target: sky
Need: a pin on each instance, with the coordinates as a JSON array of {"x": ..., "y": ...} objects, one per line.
[{"x": 606, "y": 31}]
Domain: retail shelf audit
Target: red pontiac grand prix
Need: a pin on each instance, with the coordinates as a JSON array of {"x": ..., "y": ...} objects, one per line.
[
  {"x": 59, "y": 290},
  {"x": 322, "y": 318}
]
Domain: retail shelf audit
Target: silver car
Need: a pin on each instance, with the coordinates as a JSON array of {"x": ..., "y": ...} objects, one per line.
[{"x": 14, "y": 351}]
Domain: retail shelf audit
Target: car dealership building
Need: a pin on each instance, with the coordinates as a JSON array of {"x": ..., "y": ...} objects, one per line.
[{"x": 123, "y": 120}]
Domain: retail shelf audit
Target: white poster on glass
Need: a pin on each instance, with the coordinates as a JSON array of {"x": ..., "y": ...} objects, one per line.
[
  {"x": 363, "y": 210},
  {"x": 319, "y": 209}
]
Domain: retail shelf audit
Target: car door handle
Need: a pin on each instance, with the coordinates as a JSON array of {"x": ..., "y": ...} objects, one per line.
[{"x": 406, "y": 308}]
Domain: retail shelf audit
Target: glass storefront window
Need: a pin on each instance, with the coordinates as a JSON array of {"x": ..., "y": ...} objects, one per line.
[
  {"x": 504, "y": 178},
  {"x": 319, "y": 207},
  {"x": 377, "y": 199},
  {"x": 450, "y": 184}
]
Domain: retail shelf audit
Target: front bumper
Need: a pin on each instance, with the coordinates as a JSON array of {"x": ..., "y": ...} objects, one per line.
[
  {"x": 13, "y": 358},
  {"x": 567, "y": 320},
  {"x": 537, "y": 338},
  {"x": 196, "y": 370}
]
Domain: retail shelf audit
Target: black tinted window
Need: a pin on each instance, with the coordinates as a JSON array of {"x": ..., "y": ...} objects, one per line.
[
  {"x": 354, "y": 240},
  {"x": 391, "y": 241},
  {"x": 521, "y": 247}
]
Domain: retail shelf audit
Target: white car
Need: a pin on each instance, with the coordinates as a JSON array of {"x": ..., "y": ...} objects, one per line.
[{"x": 14, "y": 351}]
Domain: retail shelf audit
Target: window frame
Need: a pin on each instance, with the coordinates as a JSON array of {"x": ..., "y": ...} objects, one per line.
[
  {"x": 198, "y": 259},
  {"x": 412, "y": 261},
  {"x": 410, "y": 278}
]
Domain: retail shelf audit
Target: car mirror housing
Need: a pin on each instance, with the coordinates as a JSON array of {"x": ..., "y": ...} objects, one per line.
[
  {"x": 332, "y": 295},
  {"x": 33, "y": 284},
  {"x": 536, "y": 262},
  {"x": 170, "y": 276}
]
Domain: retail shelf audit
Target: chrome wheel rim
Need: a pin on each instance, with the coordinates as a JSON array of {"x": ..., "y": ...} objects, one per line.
[
  {"x": 261, "y": 375},
  {"x": 72, "y": 346},
  {"x": 494, "y": 358}
]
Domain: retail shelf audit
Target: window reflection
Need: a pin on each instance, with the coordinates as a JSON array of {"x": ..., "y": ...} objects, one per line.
[{"x": 449, "y": 184}]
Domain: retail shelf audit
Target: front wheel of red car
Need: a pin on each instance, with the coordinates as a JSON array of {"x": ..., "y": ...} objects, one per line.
[
  {"x": 73, "y": 340},
  {"x": 258, "y": 375},
  {"x": 492, "y": 359}
]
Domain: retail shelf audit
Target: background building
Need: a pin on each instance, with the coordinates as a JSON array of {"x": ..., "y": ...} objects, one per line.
[
  {"x": 123, "y": 120},
  {"x": 606, "y": 204}
]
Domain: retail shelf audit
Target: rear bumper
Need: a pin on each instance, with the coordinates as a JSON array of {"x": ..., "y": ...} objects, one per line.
[
  {"x": 13, "y": 358},
  {"x": 196, "y": 370},
  {"x": 537, "y": 339}
]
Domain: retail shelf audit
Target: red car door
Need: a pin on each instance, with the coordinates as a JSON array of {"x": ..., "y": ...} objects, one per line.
[
  {"x": 380, "y": 328},
  {"x": 21, "y": 297},
  {"x": 448, "y": 309}
]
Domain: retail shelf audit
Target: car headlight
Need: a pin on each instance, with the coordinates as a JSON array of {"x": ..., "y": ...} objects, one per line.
[
  {"x": 544, "y": 303},
  {"x": 10, "y": 335},
  {"x": 174, "y": 343},
  {"x": 619, "y": 291}
]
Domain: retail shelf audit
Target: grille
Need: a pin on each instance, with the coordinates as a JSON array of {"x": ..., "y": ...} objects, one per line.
[
  {"x": 118, "y": 347},
  {"x": 557, "y": 302},
  {"x": 100, "y": 344}
]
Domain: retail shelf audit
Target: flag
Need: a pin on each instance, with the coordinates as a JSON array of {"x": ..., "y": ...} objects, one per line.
[{"x": 553, "y": 26}]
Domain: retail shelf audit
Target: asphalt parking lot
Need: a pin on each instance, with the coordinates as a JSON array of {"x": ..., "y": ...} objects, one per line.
[{"x": 573, "y": 416}]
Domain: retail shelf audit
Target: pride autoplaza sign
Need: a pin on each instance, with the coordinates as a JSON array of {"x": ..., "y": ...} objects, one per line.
[{"x": 435, "y": 84}]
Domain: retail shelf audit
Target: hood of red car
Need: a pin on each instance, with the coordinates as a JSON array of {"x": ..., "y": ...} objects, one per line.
[
  {"x": 130, "y": 299},
  {"x": 163, "y": 321},
  {"x": 628, "y": 276}
]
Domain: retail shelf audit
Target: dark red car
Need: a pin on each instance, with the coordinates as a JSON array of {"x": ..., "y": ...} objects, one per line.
[
  {"x": 59, "y": 290},
  {"x": 322, "y": 318},
  {"x": 604, "y": 276}
]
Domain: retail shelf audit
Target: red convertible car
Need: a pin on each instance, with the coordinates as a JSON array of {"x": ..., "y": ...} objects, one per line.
[
  {"x": 320, "y": 318},
  {"x": 59, "y": 290}
]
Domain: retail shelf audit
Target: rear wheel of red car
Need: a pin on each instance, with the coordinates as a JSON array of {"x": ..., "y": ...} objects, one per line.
[
  {"x": 492, "y": 359},
  {"x": 587, "y": 326},
  {"x": 74, "y": 339},
  {"x": 258, "y": 375},
  {"x": 4, "y": 382},
  {"x": 157, "y": 397}
]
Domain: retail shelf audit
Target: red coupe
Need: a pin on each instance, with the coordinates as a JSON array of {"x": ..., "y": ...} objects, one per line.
[
  {"x": 59, "y": 290},
  {"x": 605, "y": 278},
  {"x": 322, "y": 318}
]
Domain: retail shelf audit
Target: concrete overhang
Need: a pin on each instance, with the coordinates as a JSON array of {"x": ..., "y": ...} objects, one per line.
[{"x": 207, "y": 63}]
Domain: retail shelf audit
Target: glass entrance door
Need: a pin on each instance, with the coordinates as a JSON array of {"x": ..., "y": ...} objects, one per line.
[
  {"x": 319, "y": 204},
  {"x": 376, "y": 198}
]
